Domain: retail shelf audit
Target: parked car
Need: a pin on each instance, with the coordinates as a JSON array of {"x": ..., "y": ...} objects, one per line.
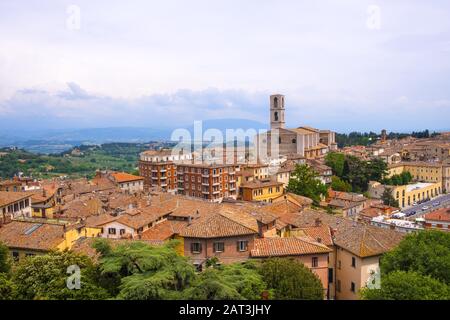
[{"x": 425, "y": 208}]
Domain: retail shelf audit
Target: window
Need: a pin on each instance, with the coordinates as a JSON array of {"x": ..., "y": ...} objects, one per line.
[
  {"x": 29, "y": 254},
  {"x": 353, "y": 262},
  {"x": 338, "y": 286},
  {"x": 122, "y": 231},
  {"x": 339, "y": 264},
  {"x": 330, "y": 275},
  {"x": 315, "y": 262},
  {"x": 352, "y": 287},
  {"x": 111, "y": 230},
  {"x": 196, "y": 247},
  {"x": 219, "y": 247},
  {"x": 242, "y": 245},
  {"x": 15, "y": 255}
]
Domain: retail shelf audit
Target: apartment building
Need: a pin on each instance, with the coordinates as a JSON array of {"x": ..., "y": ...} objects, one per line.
[
  {"x": 14, "y": 204},
  {"x": 212, "y": 182},
  {"x": 159, "y": 168}
]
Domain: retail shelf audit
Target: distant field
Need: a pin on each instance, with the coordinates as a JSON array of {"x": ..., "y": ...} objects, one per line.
[{"x": 78, "y": 162}]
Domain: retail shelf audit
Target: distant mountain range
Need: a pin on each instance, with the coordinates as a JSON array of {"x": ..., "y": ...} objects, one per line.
[{"x": 59, "y": 140}]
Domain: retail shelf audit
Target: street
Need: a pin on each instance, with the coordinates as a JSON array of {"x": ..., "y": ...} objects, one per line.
[{"x": 443, "y": 200}]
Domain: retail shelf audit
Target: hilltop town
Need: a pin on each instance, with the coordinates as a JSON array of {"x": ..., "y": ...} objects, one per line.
[{"x": 335, "y": 210}]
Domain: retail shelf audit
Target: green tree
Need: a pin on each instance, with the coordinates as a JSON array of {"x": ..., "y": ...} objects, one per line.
[
  {"x": 355, "y": 172},
  {"x": 426, "y": 252},
  {"x": 5, "y": 260},
  {"x": 46, "y": 276},
  {"x": 335, "y": 161},
  {"x": 376, "y": 169},
  {"x": 305, "y": 182},
  {"x": 406, "y": 177},
  {"x": 337, "y": 184},
  {"x": 146, "y": 272},
  {"x": 402, "y": 285},
  {"x": 388, "y": 198},
  {"x": 7, "y": 288},
  {"x": 235, "y": 281},
  {"x": 290, "y": 279}
]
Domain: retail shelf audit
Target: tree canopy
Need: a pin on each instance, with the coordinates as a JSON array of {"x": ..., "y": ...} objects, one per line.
[
  {"x": 305, "y": 182},
  {"x": 402, "y": 285},
  {"x": 291, "y": 280},
  {"x": 5, "y": 261},
  {"x": 388, "y": 198},
  {"x": 45, "y": 277},
  {"x": 355, "y": 172},
  {"x": 418, "y": 268},
  {"x": 426, "y": 252}
]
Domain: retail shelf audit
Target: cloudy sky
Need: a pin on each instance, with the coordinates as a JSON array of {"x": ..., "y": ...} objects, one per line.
[{"x": 343, "y": 65}]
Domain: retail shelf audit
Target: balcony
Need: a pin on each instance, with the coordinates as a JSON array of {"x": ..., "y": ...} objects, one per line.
[
  {"x": 205, "y": 175},
  {"x": 163, "y": 178}
]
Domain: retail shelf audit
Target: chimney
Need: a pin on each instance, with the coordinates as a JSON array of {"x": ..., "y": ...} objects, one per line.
[
  {"x": 318, "y": 222},
  {"x": 44, "y": 192}
]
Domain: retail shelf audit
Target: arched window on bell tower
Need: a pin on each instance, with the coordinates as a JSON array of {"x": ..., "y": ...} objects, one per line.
[{"x": 277, "y": 111}]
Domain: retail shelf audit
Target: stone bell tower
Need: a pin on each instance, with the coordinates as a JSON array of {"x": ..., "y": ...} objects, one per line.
[{"x": 277, "y": 111}]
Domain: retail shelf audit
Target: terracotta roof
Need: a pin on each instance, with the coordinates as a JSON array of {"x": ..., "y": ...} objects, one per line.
[
  {"x": 321, "y": 234},
  {"x": 294, "y": 198},
  {"x": 99, "y": 220},
  {"x": 360, "y": 239},
  {"x": 32, "y": 235},
  {"x": 260, "y": 184},
  {"x": 442, "y": 214},
  {"x": 371, "y": 212},
  {"x": 80, "y": 208},
  {"x": 121, "y": 177},
  {"x": 164, "y": 230},
  {"x": 216, "y": 226},
  {"x": 346, "y": 196},
  {"x": 163, "y": 152},
  {"x": 142, "y": 217},
  {"x": 279, "y": 247},
  {"x": 7, "y": 198}
]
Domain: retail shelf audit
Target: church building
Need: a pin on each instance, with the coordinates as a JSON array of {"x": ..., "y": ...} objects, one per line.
[{"x": 305, "y": 141}]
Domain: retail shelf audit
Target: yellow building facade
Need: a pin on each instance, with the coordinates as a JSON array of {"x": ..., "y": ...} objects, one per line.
[
  {"x": 409, "y": 194},
  {"x": 422, "y": 171},
  {"x": 261, "y": 190}
]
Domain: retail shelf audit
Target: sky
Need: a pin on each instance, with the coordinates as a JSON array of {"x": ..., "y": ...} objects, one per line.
[{"x": 342, "y": 65}]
